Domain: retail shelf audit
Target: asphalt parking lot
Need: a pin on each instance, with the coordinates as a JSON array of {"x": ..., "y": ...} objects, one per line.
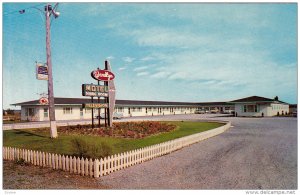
[{"x": 256, "y": 153}]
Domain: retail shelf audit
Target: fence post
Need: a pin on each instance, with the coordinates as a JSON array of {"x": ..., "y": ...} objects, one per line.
[
  {"x": 101, "y": 167},
  {"x": 78, "y": 165},
  {"x": 31, "y": 156},
  {"x": 82, "y": 166},
  {"x": 91, "y": 164},
  {"x": 67, "y": 163},
  {"x": 13, "y": 153},
  {"x": 104, "y": 166},
  {"x": 108, "y": 165},
  {"x": 63, "y": 160},
  {"x": 38, "y": 158},
  {"x": 114, "y": 166},
  {"x": 56, "y": 161},
  {"x": 43, "y": 159},
  {"x": 47, "y": 159},
  {"x": 71, "y": 164},
  {"x": 53, "y": 161},
  {"x": 59, "y": 162},
  {"x": 74, "y": 165},
  {"x": 86, "y": 167},
  {"x": 34, "y": 157},
  {"x": 96, "y": 168},
  {"x": 17, "y": 153},
  {"x": 3, "y": 153},
  {"x": 7, "y": 153}
]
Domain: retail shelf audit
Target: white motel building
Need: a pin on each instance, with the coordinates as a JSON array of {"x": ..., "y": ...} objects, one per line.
[{"x": 71, "y": 108}]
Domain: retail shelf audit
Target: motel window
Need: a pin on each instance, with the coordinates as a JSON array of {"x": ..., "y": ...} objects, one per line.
[
  {"x": 67, "y": 110},
  {"x": 149, "y": 109},
  {"x": 154, "y": 109},
  {"x": 45, "y": 112},
  {"x": 29, "y": 112},
  {"x": 120, "y": 109},
  {"x": 139, "y": 109},
  {"x": 250, "y": 108},
  {"x": 133, "y": 109}
]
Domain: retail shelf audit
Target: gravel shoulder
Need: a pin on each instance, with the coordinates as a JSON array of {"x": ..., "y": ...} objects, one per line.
[{"x": 17, "y": 176}]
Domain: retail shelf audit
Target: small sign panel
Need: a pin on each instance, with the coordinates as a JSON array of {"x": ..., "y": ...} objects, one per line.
[
  {"x": 102, "y": 75},
  {"x": 94, "y": 105},
  {"x": 41, "y": 72},
  {"x": 94, "y": 90},
  {"x": 44, "y": 101}
]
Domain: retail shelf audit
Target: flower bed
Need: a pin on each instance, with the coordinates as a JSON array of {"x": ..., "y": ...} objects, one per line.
[{"x": 122, "y": 129}]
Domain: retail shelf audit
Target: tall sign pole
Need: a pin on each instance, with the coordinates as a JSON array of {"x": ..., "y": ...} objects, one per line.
[
  {"x": 53, "y": 128},
  {"x": 108, "y": 91}
]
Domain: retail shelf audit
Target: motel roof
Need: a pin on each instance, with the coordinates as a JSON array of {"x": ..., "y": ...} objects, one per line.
[
  {"x": 79, "y": 101},
  {"x": 256, "y": 99}
]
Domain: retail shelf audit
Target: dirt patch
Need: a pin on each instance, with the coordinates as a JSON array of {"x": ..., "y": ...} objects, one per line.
[{"x": 33, "y": 177}]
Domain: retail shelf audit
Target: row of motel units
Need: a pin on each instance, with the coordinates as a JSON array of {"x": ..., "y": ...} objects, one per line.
[{"x": 71, "y": 108}]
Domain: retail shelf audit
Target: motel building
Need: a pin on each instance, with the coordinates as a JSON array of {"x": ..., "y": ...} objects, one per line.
[
  {"x": 260, "y": 106},
  {"x": 71, "y": 108}
]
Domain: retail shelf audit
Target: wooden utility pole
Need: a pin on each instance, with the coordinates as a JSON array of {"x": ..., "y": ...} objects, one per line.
[{"x": 53, "y": 128}]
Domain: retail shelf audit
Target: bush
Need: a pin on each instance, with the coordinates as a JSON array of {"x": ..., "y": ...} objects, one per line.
[{"x": 84, "y": 149}]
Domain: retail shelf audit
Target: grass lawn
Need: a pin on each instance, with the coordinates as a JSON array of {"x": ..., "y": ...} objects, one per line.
[{"x": 40, "y": 140}]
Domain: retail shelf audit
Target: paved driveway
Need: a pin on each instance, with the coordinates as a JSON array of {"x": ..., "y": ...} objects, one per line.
[{"x": 256, "y": 153}]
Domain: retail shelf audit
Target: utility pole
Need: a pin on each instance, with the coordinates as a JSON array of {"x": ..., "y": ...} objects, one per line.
[
  {"x": 53, "y": 128},
  {"x": 48, "y": 11}
]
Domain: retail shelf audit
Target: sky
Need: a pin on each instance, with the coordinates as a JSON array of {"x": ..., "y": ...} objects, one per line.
[{"x": 196, "y": 52}]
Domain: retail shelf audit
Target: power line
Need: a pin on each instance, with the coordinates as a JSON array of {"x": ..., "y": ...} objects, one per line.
[{"x": 22, "y": 11}]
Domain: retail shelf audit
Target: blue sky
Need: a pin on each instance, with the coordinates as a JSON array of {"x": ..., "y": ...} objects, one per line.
[{"x": 166, "y": 51}]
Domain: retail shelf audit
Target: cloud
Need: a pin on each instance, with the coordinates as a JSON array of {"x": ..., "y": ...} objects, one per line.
[
  {"x": 147, "y": 58},
  {"x": 160, "y": 74},
  {"x": 110, "y": 58},
  {"x": 128, "y": 59},
  {"x": 122, "y": 68},
  {"x": 142, "y": 74},
  {"x": 140, "y": 68}
]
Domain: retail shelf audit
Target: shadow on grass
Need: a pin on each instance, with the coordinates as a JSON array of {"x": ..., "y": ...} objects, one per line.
[{"x": 26, "y": 133}]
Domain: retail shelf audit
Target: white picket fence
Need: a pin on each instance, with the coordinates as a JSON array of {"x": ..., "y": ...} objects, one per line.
[{"x": 97, "y": 168}]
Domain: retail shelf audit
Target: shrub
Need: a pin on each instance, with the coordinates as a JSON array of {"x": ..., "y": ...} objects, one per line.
[
  {"x": 84, "y": 149},
  {"x": 80, "y": 146}
]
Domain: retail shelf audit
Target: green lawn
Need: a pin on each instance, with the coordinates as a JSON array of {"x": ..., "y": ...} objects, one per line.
[{"x": 39, "y": 140}]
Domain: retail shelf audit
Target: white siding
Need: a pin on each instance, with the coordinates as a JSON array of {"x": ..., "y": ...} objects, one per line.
[{"x": 266, "y": 109}]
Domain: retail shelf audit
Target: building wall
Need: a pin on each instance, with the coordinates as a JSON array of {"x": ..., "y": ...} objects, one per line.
[
  {"x": 281, "y": 109},
  {"x": 268, "y": 109},
  {"x": 239, "y": 109},
  {"x": 75, "y": 112}
]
